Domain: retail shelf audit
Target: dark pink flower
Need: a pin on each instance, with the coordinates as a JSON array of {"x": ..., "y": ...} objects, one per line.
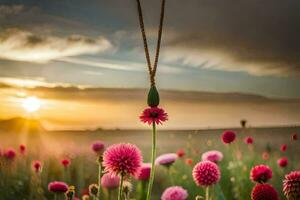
[
  {"x": 283, "y": 147},
  {"x": 180, "y": 153},
  {"x": 154, "y": 115},
  {"x": 249, "y": 140},
  {"x": 37, "y": 166},
  {"x": 206, "y": 173},
  {"x": 282, "y": 162},
  {"x": 213, "y": 156},
  {"x": 228, "y": 137},
  {"x": 261, "y": 173},
  {"x": 264, "y": 192},
  {"x": 166, "y": 159},
  {"x": 174, "y": 193},
  {"x": 10, "y": 154},
  {"x": 144, "y": 173},
  {"x": 22, "y": 148},
  {"x": 65, "y": 162},
  {"x": 295, "y": 137},
  {"x": 110, "y": 181},
  {"x": 57, "y": 187},
  {"x": 98, "y": 147},
  {"x": 291, "y": 185},
  {"x": 124, "y": 159}
]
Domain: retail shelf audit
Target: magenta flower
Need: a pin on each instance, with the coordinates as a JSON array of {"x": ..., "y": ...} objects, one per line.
[
  {"x": 291, "y": 185},
  {"x": 98, "y": 147},
  {"x": 22, "y": 149},
  {"x": 261, "y": 173},
  {"x": 174, "y": 193},
  {"x": 110, "y": 181},
  {"x": 206, "y": 173},
  {"x": 123, "y": 159},
  {"x": 264, "y": 192},
  {"x": 213, "y": 156},
  {"x": 282, "y": 162},
  {"x": 228, "y": 137},
  {"x": 154, "y": 115},
  {"x": 249, "y": 140},
  {"x": 10, "y": 154},
  {"x": 58, "y": 187},
  {"x": 37, "y": 166},
  {"x": 65, "y": 162},
  {"x": 166, "y": 159},
  {"x": 144, "y": 173},
  {"x": 283, "y": 147}
]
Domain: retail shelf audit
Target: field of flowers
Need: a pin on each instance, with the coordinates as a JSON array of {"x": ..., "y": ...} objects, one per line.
[{"x": 216, "y": 164}]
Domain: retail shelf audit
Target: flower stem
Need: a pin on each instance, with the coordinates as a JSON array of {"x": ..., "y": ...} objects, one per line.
[
  {"x": 152, "y": 161},
  {"x": 109, "y": 194},
  {"x": 55, "y": 196},
  {"x": 120, "y": 187},
  {"x": 170, "y": 175},
  {"x": 207, "y": 193},
  {"x": 99, "y": 177}
]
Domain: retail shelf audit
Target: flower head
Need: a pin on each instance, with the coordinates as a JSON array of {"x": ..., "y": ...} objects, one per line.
[
  {"x": 265, "y": 155},
  {"x": 10, "y": 154},
  {"x": 22, "y": 148},
  {"x": 93, "y": 189},
  {"x": 213, "y": 156},
  {"x": 174, "y": 193},
  {"x": 110, "y": 181},
  {"x": 98, "y": 147},
  {"x": 166, "y": 159},
  {"x": 180, "y": 153},
  {"x": 283, "y": 147},
  {"x": 282, "y": 162},
  {"x": 154, "y": 115},
  {"x": 144, "y": 173},
  {"x": 261, "y": 173},
  {"x": 65, "y": 162},
  {"x": 291, "y": 185},
  {"x": 124, "y": 159},
  {"x": 295, "y": 137},
  {"x": 70, "y": 194},
  {"x": 37, "y": 166},
  {"x": 228, "y": 137},
  {"x": 189, "y": 161},
  {"x": 206, "y": 173},
  {"x": 57, "y": 187},
  {"x": 264, "y": 192},
  {"x": 249, "y": 140}
]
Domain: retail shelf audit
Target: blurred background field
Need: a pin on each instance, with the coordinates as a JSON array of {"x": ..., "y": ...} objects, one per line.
[{"x": 51, "y": 147}]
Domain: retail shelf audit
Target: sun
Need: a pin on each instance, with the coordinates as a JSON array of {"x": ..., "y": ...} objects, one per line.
[{"x": 31, "y": 104}]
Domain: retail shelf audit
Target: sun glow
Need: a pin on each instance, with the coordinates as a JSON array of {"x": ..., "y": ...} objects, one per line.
[{"x": 31, "y": 104}]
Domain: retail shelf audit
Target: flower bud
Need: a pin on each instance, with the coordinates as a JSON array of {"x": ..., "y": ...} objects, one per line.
[{"x": 153, "y": 97}]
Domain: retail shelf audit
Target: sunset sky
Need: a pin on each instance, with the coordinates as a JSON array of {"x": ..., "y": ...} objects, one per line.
[{"x": 65, "y": 52}]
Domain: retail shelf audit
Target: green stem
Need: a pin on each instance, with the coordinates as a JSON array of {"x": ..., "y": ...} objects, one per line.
[
  {"x": 55, "y": 196},
  {"x": 143, "y": 189},
  {"x": 152, "y": 162},
  {"x": 120, "y": 187},
  {"x": 99, "y": 178},
  {"x": 170, "y": 175},
  {"x": 207, "y": 193}
]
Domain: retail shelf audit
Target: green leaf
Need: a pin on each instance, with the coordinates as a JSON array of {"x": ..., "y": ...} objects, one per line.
[{"x": 219, "y": 193}]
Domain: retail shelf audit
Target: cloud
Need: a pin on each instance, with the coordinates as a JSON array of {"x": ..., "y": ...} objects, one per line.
[
  {"x": 20, "y": 45},
  {"x": 6, "y": 10}
]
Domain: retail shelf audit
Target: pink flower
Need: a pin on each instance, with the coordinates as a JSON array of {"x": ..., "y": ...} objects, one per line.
[
  {"x": 228, "y": 137},
  {"x": 65, "y": 162},
  {"x": 291, "y": 185},
  {"x": 180, "y": 153},
  {"x": 154, "y": 115},
  {"x": 174, "y": 193},
  {"x": 10, "y": 154},
  {"x": 110, "y": 181},
  {"x": 22, "y": 149},
  {"x": 206, "y": 173},
  {"x": 282, "y": 162},
  {"x": 261, "y": 173},
  {"x": 295, "y": 137},
  {"x": 37, "y": 166},
  {"x": 213, "y": 156},
  {"x": 166, "y": 159},
  {"x": 264, "y": 192},
  {"x": 283, "y": 147},
  {"x": 124, "y": 159},
  {"x": 98, "y": 147},
  {"x": 144, "y": 173},
  {"x": 265, "y": 155},
  {"x": 249, "y": 140},
  {"x": 57, "y": 187}
]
